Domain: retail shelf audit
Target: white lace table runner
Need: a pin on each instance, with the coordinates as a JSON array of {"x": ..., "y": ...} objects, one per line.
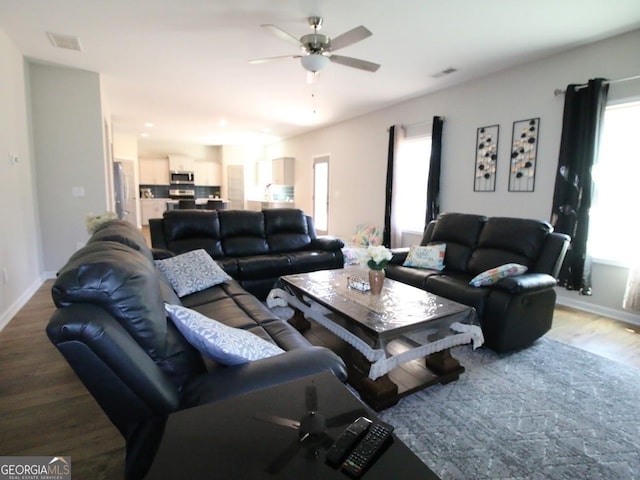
[{"x": 381, "y": 363}]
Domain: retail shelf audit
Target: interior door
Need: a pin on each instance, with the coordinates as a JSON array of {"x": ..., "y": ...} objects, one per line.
[
  {"x": 235, "y": 186},
  {"x": 131, "y": 192},
  {"x": 321, "y": 193}
]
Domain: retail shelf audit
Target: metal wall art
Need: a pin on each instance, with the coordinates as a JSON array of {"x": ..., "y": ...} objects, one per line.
[
  {"x": 486, "y": 159},
  {"x": 524, "y": 150}
]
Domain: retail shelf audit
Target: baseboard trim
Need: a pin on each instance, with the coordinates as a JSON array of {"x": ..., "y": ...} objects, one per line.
[
  {"x": 627, "y": 317},
  {"x": 20, "y": 302}
]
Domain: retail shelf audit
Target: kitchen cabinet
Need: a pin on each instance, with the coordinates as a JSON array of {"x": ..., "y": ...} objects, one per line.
[
  {"x": 152, "y": 208},
  {"x": 283, "y": 171},
  {"x": 154, "y": 171},
  {"x": 207, "y": 173},
  {"x": 180, "y": 163}
]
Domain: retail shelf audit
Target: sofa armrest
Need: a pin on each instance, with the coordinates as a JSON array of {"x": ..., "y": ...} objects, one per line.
[
  {"x": 399, "y": 255},
  {"x": 112, "y": 365},
  {"x": 529, "y": 282},
  {"x": 240, "y": 379},
  {"x": 326, "y": 242}
]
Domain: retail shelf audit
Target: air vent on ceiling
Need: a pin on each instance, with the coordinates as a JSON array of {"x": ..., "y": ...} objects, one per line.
[
  {"x": 70, "y": 42},
  {"x": 446, "y": 71}
]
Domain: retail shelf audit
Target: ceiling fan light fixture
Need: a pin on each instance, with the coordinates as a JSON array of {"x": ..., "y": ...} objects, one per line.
[{"x": 314, "y": 62}]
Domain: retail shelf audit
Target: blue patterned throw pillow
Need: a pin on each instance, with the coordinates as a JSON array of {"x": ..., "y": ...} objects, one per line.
[
  {"x": 491, "y": 276},
  {"x": 192, "y": 271},
  {"x": 224, "y": 344},
  {"x": 429, "y": 256}
]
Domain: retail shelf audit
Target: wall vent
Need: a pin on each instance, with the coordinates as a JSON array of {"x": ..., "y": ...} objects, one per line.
[
  {"x": 70, "y": 42},
  {"x": 446, "y": 71}
]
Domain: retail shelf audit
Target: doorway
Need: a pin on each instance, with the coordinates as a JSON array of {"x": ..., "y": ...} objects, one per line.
[
  {"x": 321, "y": 193},
  {"x": 235, "y": 186}
]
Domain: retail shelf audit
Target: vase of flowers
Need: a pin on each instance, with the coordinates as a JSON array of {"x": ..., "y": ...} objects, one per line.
[{"x": 377, "y": 258}]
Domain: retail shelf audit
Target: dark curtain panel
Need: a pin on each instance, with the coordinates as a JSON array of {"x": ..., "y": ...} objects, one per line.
[
  {"x": 386, "y": 234},
  {"x": 433, "y": 183},
  {"x": 582, "y": 118}
]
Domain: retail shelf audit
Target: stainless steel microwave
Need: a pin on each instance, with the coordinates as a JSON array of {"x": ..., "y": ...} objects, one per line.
[{"x": 181, "y": 178}]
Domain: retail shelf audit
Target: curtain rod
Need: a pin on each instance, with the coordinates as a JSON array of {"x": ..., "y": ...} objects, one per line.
[{"x": 559, "y": 91}]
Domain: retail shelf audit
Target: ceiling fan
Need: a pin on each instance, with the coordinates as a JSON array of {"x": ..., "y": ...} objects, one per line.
[
  {"x": 312, "y": 436},
  {"x": 317, "y": 48}
]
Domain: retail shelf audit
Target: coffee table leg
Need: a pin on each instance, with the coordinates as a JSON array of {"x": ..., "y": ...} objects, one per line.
[
  {"x": 445, "y": 365},
  {"x": 299, "y": 322}
]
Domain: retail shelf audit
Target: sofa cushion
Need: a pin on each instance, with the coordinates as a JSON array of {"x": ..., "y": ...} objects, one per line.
[
  {"x": 416, "y": 277},
  {"x": 243, "y": 233},
  {"x": 429, "y": 256},
  {"x": 122, "y": 281},
  {"x": 191, "y": 272},
  {"x": 491, "y": 276},
  {"x": 508, "y": 240},
  {"x": 456, "y": 287},
  {"x": 460, "y": 231},
  {"x": 286, "y": 229},
  {"x": 187, "y": 230},
  {"x": 226, "y": 345}
]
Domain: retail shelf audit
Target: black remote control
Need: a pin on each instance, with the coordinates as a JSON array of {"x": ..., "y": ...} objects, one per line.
[
  {"x": 347, "y": 440},
  {"x": 368, "y": 449}
]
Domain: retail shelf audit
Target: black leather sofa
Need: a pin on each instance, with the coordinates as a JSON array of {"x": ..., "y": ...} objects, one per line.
[
  {"x": 112, "y": 329},
  {"x": 513, "y": 312},
  {"x": 255, "y": 248}
]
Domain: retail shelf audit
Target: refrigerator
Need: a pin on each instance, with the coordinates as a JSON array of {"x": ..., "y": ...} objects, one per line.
[{"x": 124, "y": 191}]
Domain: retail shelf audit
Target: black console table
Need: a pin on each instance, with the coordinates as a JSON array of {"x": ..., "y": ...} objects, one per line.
[{"x": 246, "y": 437}]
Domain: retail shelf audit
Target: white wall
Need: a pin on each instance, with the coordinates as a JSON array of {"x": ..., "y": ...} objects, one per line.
[
  {"x": 358, "y": 147},
  {"x": 69, "y": 152},
  {"x": 20, "y": 255}
]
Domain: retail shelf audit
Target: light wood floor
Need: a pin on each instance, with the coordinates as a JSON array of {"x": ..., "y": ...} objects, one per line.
[{"x": 45, "y": 410}]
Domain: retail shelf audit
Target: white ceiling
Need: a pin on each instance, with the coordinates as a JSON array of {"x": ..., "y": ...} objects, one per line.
[{"x": 182, "y": 64}]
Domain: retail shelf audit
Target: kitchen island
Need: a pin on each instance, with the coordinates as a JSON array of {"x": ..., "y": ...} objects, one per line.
[{"x": 259, "y": 205}]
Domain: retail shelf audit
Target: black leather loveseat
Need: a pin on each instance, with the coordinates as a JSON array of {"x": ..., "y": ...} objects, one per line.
[
  {"x": 112, "y": 328},
  {"x": 513, "y": 312},
  {"x": 255, "y": 248}
]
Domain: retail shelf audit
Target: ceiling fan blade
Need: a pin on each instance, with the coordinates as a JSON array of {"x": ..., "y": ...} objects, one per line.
[
  {"x": 256, "y": 61},
  {"x": 311, "y": 398},
  {"x": 355, "y": 63},
  {"x": 285, "y": 422},
  {"x": 349, "y": 38},
  {"x": 284, "y": 457},
  {"x": 281, "y": 34}
]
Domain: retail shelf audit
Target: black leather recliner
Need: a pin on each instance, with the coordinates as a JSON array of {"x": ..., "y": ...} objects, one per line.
[
  {"x": 112, "y": 329},
  {"x": 513, "y": 312},
  {"x": 255, "y": 248}
]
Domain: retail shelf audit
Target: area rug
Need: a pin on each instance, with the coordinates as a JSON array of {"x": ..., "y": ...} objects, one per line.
[{"x": 547, "y": 412}]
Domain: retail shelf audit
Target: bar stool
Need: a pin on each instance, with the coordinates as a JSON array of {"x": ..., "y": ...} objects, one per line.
[{"x": 184, "y": 204}]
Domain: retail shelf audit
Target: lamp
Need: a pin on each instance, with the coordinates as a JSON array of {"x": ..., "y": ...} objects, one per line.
[{"x": 314, "y": 62}]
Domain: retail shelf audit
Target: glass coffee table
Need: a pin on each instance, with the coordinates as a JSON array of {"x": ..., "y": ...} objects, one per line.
[{"x": 384, "y": 338}]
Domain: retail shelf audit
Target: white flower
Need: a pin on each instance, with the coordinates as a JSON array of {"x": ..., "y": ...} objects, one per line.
[{"x": 378, "y": 256}]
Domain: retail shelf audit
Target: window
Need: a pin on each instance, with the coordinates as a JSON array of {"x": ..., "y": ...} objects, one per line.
[
  {"x": 613, "y": 226},
  {"x": 412, "y": 174}
]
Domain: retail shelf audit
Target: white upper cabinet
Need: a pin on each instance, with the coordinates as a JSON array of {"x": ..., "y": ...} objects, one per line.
[
  {"x": 180, "y": 163},
  {"x": 207, "y": 173},
  {"x": 154, "y": 171},
  {"x": 283, "y": 171}
]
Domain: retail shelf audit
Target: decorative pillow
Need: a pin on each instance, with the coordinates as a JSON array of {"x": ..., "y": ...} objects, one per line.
[
  {"x": 226, "y": 345},
  {"x": 430, "y": 256},
  {"x": 491, "y": 276},
  {"x": 367, "y": 235},
  {"x": 192, "y": 271}
]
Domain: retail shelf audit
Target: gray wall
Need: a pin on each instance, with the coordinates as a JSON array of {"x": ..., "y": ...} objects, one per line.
[
  {"x": 20, "y": 258},
  {"x": 358, "y": 147},
  {"x": 69, "y": 152}
]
